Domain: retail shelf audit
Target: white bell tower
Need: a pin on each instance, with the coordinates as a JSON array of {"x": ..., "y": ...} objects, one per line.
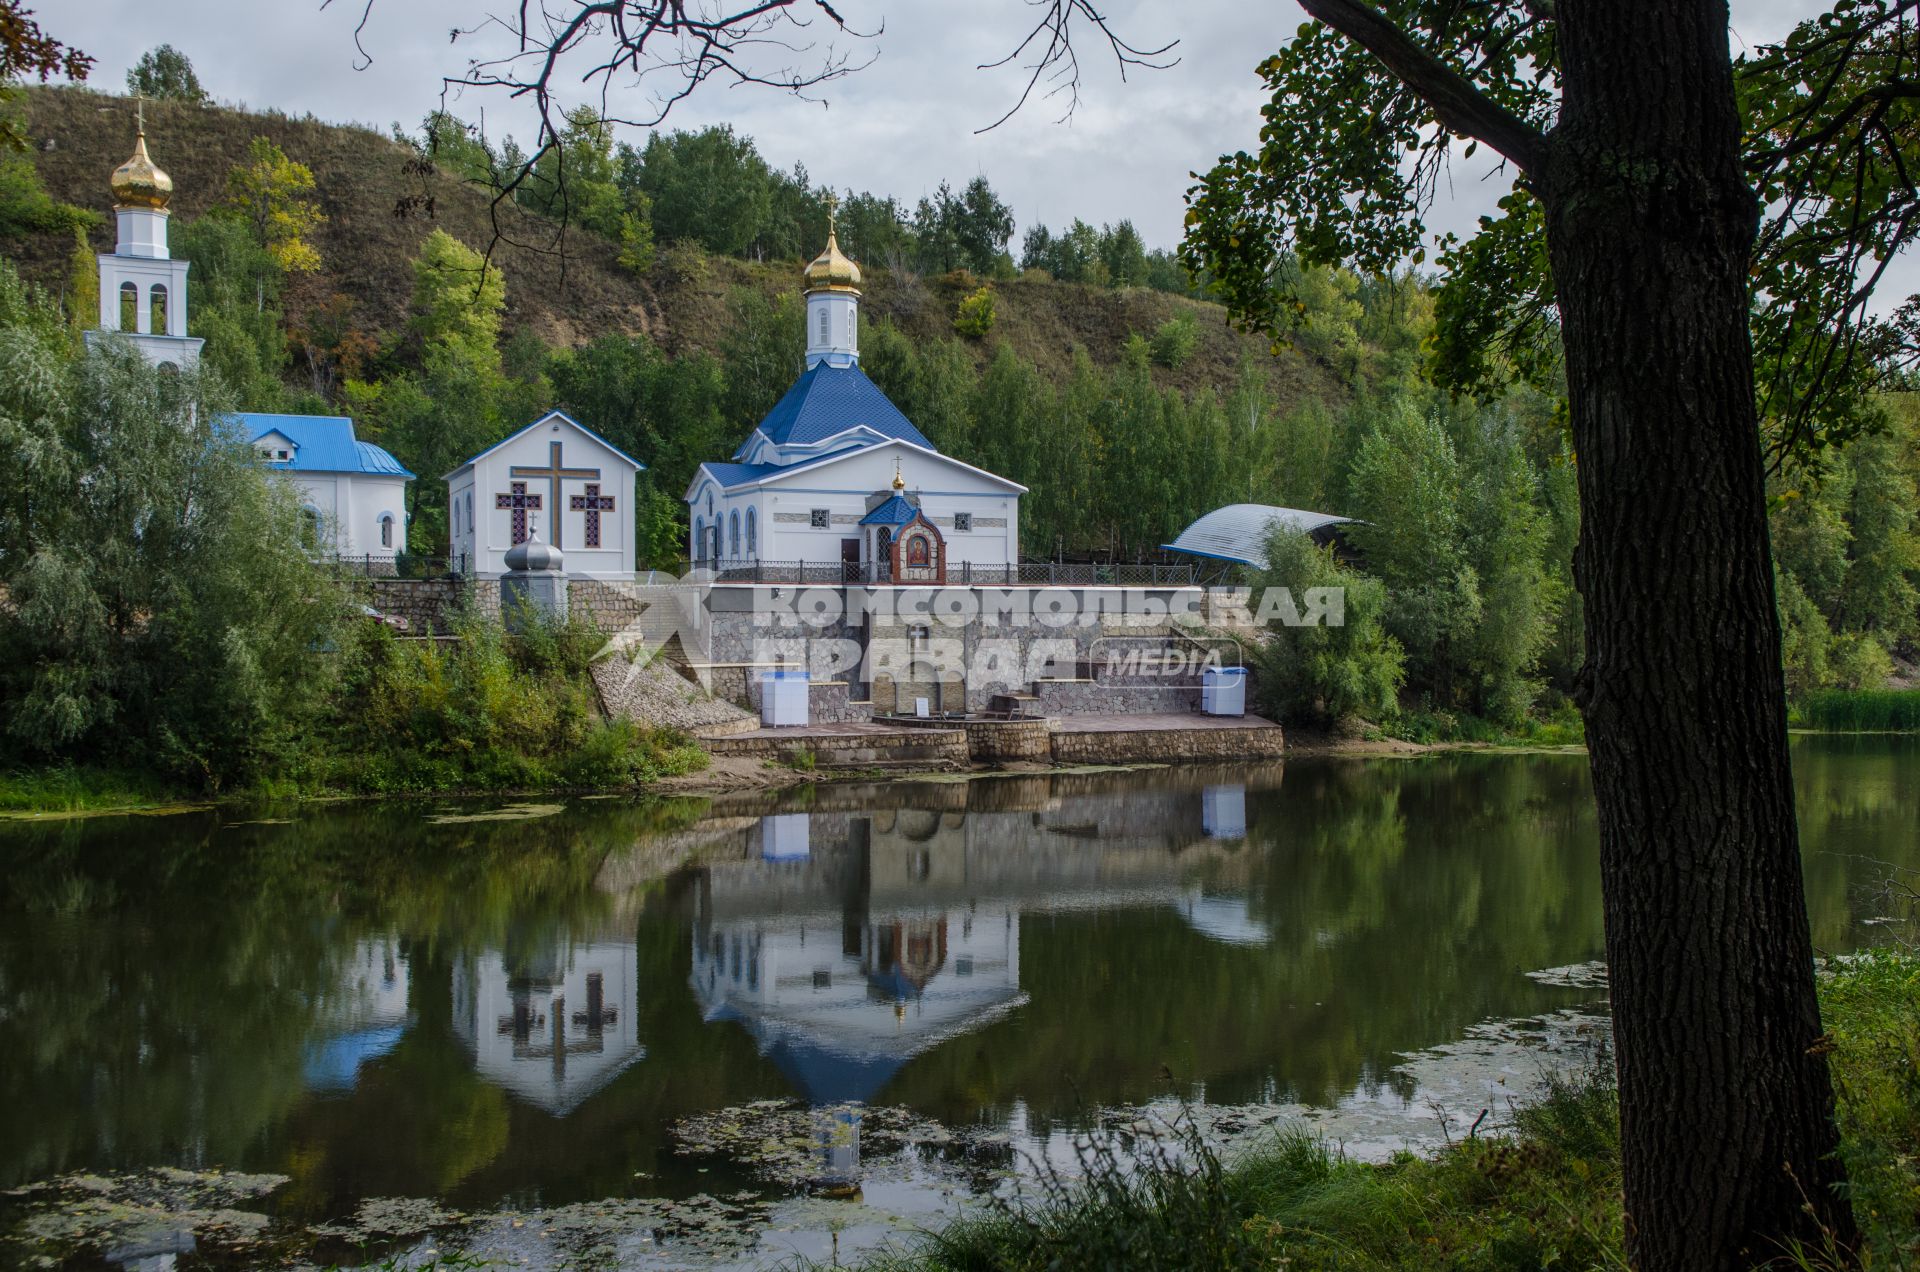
[
  {"x": 833, "y": 303},
  {"x": 143, "y": 291}
]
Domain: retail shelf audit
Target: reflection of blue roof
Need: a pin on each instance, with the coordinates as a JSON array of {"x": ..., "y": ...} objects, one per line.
[
  {"x": 896, "y": 511},
  {"x": 828, "y": 400},
  {"x": 321, "y": 444},
  {"x": 334, "y": 1063},
  {"x": 825, "y": 1076}
]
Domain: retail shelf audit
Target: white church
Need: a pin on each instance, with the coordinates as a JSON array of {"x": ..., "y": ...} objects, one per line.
[
  {"x": 354, "y": 494},
  {"x": 836, "y": 473}
]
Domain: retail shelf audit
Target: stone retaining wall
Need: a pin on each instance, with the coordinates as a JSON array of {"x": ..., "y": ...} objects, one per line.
[
  {"x": 1102, "y": 697},
  {"x": 427, "y": 604},
  {"x": 1168, "y": 746},
  {"x": 922, "y": 746}
]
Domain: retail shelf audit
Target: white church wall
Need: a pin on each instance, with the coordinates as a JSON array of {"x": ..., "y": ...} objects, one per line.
[
  {"x": 350, "y": 507},
  {"x": 491, "y": 475}
]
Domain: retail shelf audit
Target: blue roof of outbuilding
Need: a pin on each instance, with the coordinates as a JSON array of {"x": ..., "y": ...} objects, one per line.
[
  {"x": 827, "y": 400},
  {"x": 896, "y": 511},
  {"x": 321, "y": 444}
]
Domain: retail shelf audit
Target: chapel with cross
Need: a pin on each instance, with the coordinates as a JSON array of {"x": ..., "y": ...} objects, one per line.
[{"x": 555, "y": 473}]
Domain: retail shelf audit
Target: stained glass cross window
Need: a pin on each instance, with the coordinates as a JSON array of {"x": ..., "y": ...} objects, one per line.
[
  {"x": 520, "y": 502},
  {"x": 593, "y": 503}
]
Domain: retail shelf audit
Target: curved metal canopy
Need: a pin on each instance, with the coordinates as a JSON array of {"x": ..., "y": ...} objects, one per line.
[{"x": 1239, "y": 532}]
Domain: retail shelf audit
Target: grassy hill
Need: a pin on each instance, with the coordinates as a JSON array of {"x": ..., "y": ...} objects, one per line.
[{"x": 570, "y": 293}]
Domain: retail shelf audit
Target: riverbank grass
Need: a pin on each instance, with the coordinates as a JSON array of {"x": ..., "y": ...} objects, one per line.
[
  {"x": 73, "y": 789},
  {"x": 1860, "y": 711},
  {"x": 1547, "y": 1195}
]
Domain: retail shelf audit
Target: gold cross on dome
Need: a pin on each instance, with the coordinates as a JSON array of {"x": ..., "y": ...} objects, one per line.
[
  {"x": 140, "y": 112},
  {"x": 833, "y": 208}
]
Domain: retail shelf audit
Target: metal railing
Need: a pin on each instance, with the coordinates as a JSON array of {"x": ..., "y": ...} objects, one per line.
[
  {"x": 958, "y": 573},
  {"x": 407, "y": 565}
]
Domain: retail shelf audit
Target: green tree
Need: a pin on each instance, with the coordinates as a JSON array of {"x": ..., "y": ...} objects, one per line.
[
  {"x": 165, "y": 74},
  {"x": 1175, "y": 340},
  {"x": 973, "y": 316},
  {"x": 576, "y": 179},
  {"x": 270, "y": 192},
  {"x": 234, "y": 305},
  {"x": 710, "y": 187},
  {"x": 1879, "y": 594},
  {"x": 457, "y": 301},
  {"x": 161, "y": 611},
  {"x": 1407, "y": 487},
  {"x": 1326, "y": 672}
]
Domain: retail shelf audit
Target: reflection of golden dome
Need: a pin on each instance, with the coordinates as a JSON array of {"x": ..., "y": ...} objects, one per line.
[
  {"x": 139, "y": 183},
  {"x": 832, "y": 270}
]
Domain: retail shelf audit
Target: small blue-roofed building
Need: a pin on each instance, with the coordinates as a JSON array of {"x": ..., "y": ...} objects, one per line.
[
  {"x": 807, "y": 483},
  {"x": 354, "y": 493}
]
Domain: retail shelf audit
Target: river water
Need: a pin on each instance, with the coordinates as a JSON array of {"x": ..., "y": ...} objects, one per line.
[{"x": 688, "y": 1032}]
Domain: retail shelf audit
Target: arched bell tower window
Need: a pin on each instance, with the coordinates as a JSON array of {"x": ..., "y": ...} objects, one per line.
[
  {"x": 753, "y": 535},
  {"x": 733, "y": 533},
  {"x": 157, "y": 310},
  {"x": 129, "y": 307},
  {"x": 386, "y": 530}
]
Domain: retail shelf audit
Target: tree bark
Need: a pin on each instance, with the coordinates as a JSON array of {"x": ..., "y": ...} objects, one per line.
[{"x": 1727, "y": 1122}]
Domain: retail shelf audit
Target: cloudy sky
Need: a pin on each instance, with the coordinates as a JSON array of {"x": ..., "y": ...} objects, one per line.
[{"x": 898, "y": 126}]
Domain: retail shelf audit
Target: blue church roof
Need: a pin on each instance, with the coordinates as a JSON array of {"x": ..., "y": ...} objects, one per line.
[
  {"x": 731, "y": 475},
  {"x": 827, "y": 400},
  {"x": 896, "y": 511},
  {"x": 321, "y": 444}
]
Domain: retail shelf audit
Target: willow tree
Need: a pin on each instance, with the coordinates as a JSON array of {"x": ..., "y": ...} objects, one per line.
[{"x": 1691, "y": 242}]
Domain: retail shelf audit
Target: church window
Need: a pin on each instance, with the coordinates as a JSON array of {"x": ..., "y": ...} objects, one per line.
[
  {"x": 733, "y": 533},
  {"x": 819, "y": 518},
  {"x": 699, "y": 537},
  {"x": 824, "y": 321},
  {"x": 310, "y": 527},
  {"x": 963, "y": 521},
  {"x": 386, "y": 529},
  {"x": 753, "y": 535},
  {"x": 129, "y": 306},
  {"x": 157, "y": 309}
]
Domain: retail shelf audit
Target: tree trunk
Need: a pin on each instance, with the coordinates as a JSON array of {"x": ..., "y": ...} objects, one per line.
[{"x": 1726, "y": 1106}]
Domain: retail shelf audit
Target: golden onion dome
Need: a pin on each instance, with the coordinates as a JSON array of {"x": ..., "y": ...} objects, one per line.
[
  {"x": 832, "y": 270},
  {"x": 139, "y": 182}
]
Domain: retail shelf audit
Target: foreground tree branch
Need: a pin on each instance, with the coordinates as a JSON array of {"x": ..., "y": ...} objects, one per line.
[{"x": 1457, "y": 104}]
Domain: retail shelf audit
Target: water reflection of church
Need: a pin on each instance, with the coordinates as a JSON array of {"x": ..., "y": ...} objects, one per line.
[
  {"x": 552, "y": 1025},
  {"x": 847, "y": 944}
]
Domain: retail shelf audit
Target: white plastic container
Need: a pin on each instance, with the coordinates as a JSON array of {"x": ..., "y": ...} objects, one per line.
[
  {"x": 783, "y": 698},
  {"x": 1223, "y": 691}
]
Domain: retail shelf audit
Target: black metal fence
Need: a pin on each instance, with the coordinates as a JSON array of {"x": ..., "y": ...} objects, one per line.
[
  {"x": 958, "y": 573},
  {"x": 406, "y": 565}
]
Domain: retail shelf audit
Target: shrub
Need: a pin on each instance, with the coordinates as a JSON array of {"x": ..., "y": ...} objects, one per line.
[
  {"x": 974, "y": 317},
  {"x": 1324, "y": 673},
  {"x": 1175, "y": 340}
]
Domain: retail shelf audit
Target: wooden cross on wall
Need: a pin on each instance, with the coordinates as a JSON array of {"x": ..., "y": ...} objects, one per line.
[
  {"x": 593, "y": 503},
  {"x": 555, "y": 472},
  {"x": 519, "y": 501}
]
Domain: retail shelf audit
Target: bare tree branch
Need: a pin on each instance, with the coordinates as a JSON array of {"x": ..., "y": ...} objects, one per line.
[
  {"x": 1460, "y": 107},
  {"x": 1056, "y": 61}
]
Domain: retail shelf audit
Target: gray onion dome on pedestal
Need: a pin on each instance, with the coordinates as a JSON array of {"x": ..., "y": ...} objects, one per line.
[{"x": 532, "y": 556}]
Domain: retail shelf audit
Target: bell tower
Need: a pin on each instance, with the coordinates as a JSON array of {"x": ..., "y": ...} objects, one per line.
[
  {"x": 833, "y": 303},
  {"x": 143, "y": 290}
]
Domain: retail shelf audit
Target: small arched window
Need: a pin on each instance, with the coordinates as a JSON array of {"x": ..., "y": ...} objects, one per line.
[
  {"x": 733, "y": 533},
  {"x": 825, "y": 326},
  {"x": 310, "y": 526},
  {"x": 753, "y": 535},
  {"x": 157, "y": 310},
  {"x": 699, "y": 538},
  {"x": 386, "y": 530},
  {"x": 129, "y": 307}
]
